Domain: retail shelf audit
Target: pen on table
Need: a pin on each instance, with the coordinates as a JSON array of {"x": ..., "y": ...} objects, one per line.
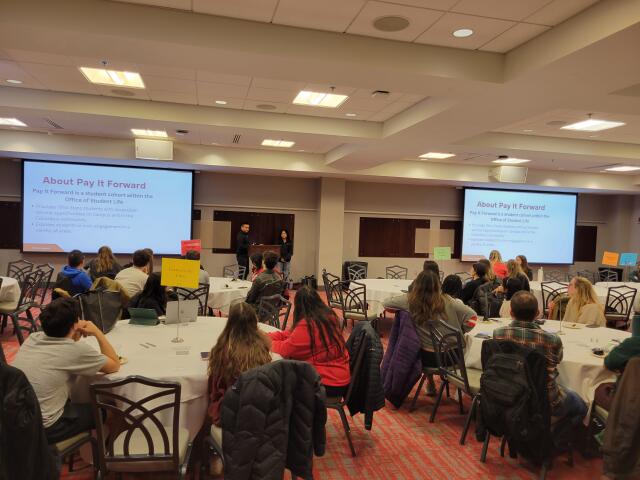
[
  {"x": 151, "y": 344},
  {"x": 143, "y": 345}
]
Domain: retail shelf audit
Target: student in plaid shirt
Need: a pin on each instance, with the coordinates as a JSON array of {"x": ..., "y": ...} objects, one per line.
[{"x": 523, "y": 330}]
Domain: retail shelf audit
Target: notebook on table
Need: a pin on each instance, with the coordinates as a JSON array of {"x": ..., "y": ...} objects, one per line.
[{"x": 143, "y": 316}]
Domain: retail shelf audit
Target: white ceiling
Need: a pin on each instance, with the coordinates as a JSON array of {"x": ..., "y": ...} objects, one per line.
[{"x": 566, "y": 59}]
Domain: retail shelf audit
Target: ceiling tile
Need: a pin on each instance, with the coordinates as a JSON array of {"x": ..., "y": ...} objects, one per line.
[
  {"x": 337, "y": 89},
  {"x": 485, "y": 29},
  {"x": 169, "y": 72},
  {"x": 208, "y": 93},
  {"x": 174, "y": 97},
  {"x": 211, "y": 102},
  {"x": 331, "y": 15},
  {"x": 370, "y": 104},
  {"x": 419, "y": 20},
  {"x": 126, "y": 93},
  {"x": 391, "y": 110},
  {"x": 169, "y": 84},
  {"x": 502, "y": 9},
  {"x": 514, "y": 37},
  {"x": 96, "y": 62},
  {"x": 271, "y": 95},
  {"x": 253, "y": 105},
  {"x": 413, "y": 97},
  {"x": 258, "y": 10},
  {"x": 38, "y": 57},
  {"x": 433, "y": 4},
  {"x": 366, "y": 94},
  {"x": 11, "y": 70},
  {"x": 179, "y": 4},
  {"x": 212, "y": 77},
  {"x": 277, "y": 84},
  {"x": 558, "y": 11},
  {"x": 57, "y": 77}
]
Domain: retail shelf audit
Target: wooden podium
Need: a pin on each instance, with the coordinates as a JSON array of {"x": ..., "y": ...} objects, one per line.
[{"x": 263, "y": 249}]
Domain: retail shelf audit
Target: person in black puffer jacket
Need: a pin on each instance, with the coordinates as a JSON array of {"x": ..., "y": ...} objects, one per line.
[{"x": 273, "y": 418}]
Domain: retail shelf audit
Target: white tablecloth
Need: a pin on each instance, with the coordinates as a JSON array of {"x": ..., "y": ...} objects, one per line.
[
  {"x": 168, "y": 361},
  {"x": 381, "y": 289},
  {"x": 10, "y": 290},
  {"x": 536, "y": 289},
  {"x": 579, "y": 370},
  {"x": 224, "y": 291},
  {"x": 635, "y": 285}
]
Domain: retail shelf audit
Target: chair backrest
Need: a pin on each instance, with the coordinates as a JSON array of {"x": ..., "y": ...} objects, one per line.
[
  {"x": 449, "y": 350},
  {"x": 356, "y": 272},
  {"x": 608, "y": 275},
  {"x": 620, "y": 301},
  {"x": 201, "y": 294},
  {"x": 333, "y": 288},
  {"x": 464, "y": 276},
  {"x": 397, "y": 272},
  {"x": 141, "y": 418},
  {"x": 357, "y": 365},
  {"x": 19, "y": 269},
  {"x": 550, "y": 290},
  {"x": 46, "y": 272},
  {"x": 588, "y": 274},
  {"x": 274, "y": 310},
  {"x": 29, "y": 289},
  {"x": 234, "y": 271},
  {"x": 554, "y": 276},
  {"x": 354, "y": 298}
]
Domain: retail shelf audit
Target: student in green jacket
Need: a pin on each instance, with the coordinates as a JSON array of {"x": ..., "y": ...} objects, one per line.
[{"x": 616, "y": 361}]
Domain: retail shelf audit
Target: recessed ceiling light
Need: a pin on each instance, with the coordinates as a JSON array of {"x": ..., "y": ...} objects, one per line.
[
  {"x": 142, "y": 132},
  {"x": 592, "y": 125},
  {"x": 350, "y": 114},
  {"x": 278, "y": 143},
  {"x": 622, "y": 168},
  {"x": 319, "y": 99},
  {"x": 437, "y": 155},
  {"x": 510, "y": 161},
  {"x": 528, "y": 130},
  {"x": 102, "y": 76},
  {"x": 15, "y": 82},
  {"x": 463, "y": 33},
  {"x": 221, "y": 102},
  {"x": 13, "y": 122},
  {"x": 390, "y": 23}
]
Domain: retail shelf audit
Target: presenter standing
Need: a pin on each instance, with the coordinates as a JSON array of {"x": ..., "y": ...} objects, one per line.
[
  {"x": 286, "y": 252},
  {"x": 242, "y": 248}
]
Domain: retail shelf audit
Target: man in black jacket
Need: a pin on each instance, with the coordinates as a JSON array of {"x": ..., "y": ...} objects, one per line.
[{"x": 242, "y": 248}]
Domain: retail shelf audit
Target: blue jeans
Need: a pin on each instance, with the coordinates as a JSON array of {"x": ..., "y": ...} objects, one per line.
[
  {"x": 285, "y": 268},
  {"x": 573, "y": 407}
]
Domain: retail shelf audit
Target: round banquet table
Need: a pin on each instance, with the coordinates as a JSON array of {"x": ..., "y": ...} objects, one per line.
[
  {"x": 225, "y": 291},
  {"x": 10, "y": 290},
  {"x": 380, "y": 290},
  {"x": 606, "y": 285},
  {"x": 580, "y": 370},
  {"x": 150, "y": 353},
  {"x": 536, "y": 289}
]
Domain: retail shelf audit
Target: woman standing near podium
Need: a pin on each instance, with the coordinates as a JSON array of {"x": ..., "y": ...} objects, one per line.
[{"x": 286, "y": 252}]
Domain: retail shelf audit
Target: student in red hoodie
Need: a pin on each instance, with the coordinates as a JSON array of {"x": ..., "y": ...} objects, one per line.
[{"x": 316, "y": 337}]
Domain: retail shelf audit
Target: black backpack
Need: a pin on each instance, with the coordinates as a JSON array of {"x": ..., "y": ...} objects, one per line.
[
  {"x": 485, "y": 302},
  {"x": 513, "y": 398}
]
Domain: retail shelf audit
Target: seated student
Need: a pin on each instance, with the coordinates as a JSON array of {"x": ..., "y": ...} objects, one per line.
[
  {"x": 104, "y": 265},
  {"x": 515, "y": 281},
  {"x": 80, "y": 281},
  {"x": 269, "y": 275},
  {"x": 428, "y": 265},
  {"x": 584, "y": 306},
  {"x": 240, "y": 347},
  {"x": 616, "y": 361},
  {"x": 153, "y": 296},
  {"x": 498, "y": 267},
  {"x": 52, "y": 358},
  {"x": 524, "y": 266},
  {"x": 316, "y": 338},
  {"x": 524, "y": 331},
  {"x": 134, "y": 278},
  {"x": 426, "y": 302},
  {"x": 203, "y": 275},
  {"x": 257, "y": 265},
  {"x": 478, "y": 277},
  {"x": 452, "y": 286}
]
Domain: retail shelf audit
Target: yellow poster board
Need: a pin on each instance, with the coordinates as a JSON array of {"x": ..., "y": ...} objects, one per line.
[
  {"x": 177, "y": 272},
  {"x": 610, "y": 258}
]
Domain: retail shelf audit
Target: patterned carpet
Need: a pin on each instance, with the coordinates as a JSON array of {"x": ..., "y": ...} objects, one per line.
[{"x": 401, "y": 445}]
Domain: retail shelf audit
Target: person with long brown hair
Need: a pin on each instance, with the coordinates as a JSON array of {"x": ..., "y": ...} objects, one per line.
[
  {"x": 584, "y": 306},
  {"x": 240, "y": 347},
  {"x": 316, "y": 337},
  {"x": 104, "y": 265},
  {"x": 524, "y": 265}
]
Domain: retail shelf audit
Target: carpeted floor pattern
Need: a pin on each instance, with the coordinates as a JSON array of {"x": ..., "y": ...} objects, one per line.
[{"x": 401, "y": 445}]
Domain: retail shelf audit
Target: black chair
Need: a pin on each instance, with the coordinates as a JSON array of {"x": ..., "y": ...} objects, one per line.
[
  {"x": 464, "y": 276},
  {"x": 136, "y": 440},
  {"x": 28, "y": 294},
  {"x": 619, "y": 305},
  {"x": 201, "y": 294},
  {"x": 397, "y": 272},
  {"x": 338, "y": 404},
  {"x": 588, "y": 274},
  {"x": 555, "y": 276},
  {"x": 234, "y": 271},
  {"x": 356, "y": 272},
  {"x": 46, "y": 272},
  {"x": 608, "y": 275},
  {"x": 449, "y": 350},
  {"x": 274, "y": 311},
  {"x": 270, "y": 289},
  {"x": 19, "y": 269},
  {"x": 354, "y": 302},
  {"x": 550, "y": 291}
]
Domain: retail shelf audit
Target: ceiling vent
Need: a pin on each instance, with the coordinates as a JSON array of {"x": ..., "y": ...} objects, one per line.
[
  {"x": 53, "y": 124},
  {"x": 390, "y": 23},
  {"x": 236, "y": 138},
  {"x": 380, "y": 93}
]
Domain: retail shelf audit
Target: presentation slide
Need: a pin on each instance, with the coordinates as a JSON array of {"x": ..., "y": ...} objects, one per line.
[
  {"x": 538, "y": 225},
  {"x": 70, "y": 206}
]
